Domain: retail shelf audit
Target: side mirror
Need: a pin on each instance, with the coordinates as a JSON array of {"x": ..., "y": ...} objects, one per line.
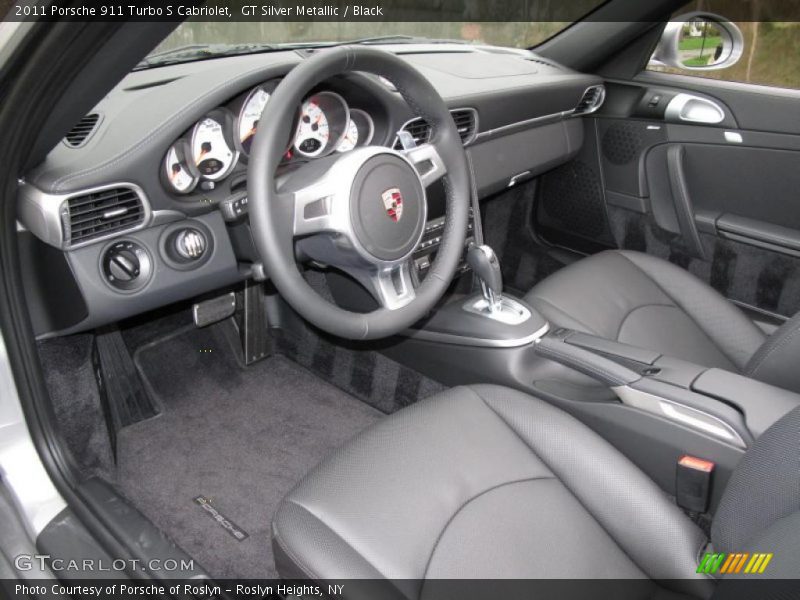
[{"x": 699, "y": 41}]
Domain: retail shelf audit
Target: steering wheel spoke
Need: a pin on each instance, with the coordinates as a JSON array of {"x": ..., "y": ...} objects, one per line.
[
  {"x": 428, "y": 163},
  {"x": 313, "y": 207}
]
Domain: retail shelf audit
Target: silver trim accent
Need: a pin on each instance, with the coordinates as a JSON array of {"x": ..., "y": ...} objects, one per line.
[
  {"x": 517, "y": 178},
  {"x": 693, "y": 109},
  {"x": 42, "y": 213},
  {"x": 458, "y": 340},
  {"x": 679, "y": 413},
  {"x": 467, "y": 142},
  {"x": 733, "y": 137},
  {"x": 508, "y": 310},
  {"x": 526, "y": 124}
]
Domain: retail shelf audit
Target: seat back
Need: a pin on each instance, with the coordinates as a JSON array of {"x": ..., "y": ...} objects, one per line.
[
  {"x": 775, "y": 362},
  {"x": 760, "y": 508}
]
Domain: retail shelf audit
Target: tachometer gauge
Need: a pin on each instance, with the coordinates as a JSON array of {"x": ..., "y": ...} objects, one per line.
[
  {"x": 179, "y": 172},
  {"x": 359, "y": 131},
  {"x": 211, "y": 152},
  {"x": 249, "y": 116},
  {"x": 322, "y": 124}
]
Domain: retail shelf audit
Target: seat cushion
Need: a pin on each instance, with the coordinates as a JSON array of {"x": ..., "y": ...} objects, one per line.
[
  {"x": 483, "y": 482},
  {"x": 645, "y": 301}
]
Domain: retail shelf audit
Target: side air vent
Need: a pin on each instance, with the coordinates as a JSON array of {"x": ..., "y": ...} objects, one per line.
[
  {"x": 591, "y": 100},
  {"x": 82, "y": 131},
  {"x": 465, "y": 119},
  {"x": 102, "y": 213}
]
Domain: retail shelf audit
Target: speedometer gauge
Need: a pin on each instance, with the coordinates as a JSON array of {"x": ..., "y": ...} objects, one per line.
[
  {"x": 249, "y": 116},
  {"x": 211, "y": 152},
  {"x": 359, "y": 132},
  {"x": 178, "y": 171},
  {"x": 323, "y": 121}
]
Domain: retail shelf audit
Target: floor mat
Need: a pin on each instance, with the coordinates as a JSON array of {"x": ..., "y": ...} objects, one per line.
[
  {"x": 358, "y": 370},
  {"x": 238, "y": 438}
]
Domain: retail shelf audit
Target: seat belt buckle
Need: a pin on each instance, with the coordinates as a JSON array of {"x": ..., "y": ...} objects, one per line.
[{"x": 693, "y": 483}]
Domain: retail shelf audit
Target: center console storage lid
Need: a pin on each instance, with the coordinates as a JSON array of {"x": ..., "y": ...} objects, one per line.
[{"x": 760, "y": 403}]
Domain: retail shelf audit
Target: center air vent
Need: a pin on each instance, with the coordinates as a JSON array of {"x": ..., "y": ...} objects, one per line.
[
  {"x": 464, "y": 118},
  {"x": 591, "y": 100},
  {"x": 101, "y": 213},
  {"x": 82, "y": 131}
]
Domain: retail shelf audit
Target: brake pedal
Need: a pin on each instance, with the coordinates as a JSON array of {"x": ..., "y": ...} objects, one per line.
[{"x": 212, "y": 311}]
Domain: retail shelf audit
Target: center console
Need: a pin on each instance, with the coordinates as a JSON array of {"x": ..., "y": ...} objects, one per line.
[
  {"x": 654, "y": 408},
  {"x": 432, "y": 237}
]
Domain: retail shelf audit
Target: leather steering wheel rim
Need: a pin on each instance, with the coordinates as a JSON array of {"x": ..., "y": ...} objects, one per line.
[{"x": 271, "y": 218}]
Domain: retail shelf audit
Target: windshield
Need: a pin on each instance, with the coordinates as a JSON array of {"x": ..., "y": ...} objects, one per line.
[{"x": 204, "y": 39}]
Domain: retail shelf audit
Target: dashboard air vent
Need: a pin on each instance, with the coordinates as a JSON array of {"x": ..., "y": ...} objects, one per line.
[
  {"x": 101, "y": 213},
  {"x": 81, "y": 132},
  {"x": 591, "y": 100},
  {"x": 465, "y": 123},
  {"x": 465, "y": 120},
  {"x": 540, "y": 61}
]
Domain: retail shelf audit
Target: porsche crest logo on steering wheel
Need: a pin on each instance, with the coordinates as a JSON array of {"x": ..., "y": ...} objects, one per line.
[{"x": 393, "y": 202}]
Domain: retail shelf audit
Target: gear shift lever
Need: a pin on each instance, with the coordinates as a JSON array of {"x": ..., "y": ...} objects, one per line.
[{"x": 486, "y": 266}]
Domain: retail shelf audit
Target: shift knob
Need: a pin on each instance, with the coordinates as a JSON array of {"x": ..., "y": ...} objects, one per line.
[{"x": 486, "y": 266}]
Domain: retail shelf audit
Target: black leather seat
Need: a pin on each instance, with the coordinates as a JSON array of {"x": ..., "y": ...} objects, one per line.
[
  {"x": 648, "y": 302},
  {"x": 487, "y": 482}
]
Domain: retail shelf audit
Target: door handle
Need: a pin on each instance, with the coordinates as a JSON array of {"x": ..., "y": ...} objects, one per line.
[{"x": 687, "y": 108}]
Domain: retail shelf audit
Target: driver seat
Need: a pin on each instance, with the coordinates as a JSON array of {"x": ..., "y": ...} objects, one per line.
[{"x": 487, "y": 482}]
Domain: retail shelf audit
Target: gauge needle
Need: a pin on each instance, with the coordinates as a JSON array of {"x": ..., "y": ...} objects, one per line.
[{"x": 249, "y": 134}]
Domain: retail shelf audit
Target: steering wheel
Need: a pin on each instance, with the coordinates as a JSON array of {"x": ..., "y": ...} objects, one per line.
[{"x": 363, "y": 211}]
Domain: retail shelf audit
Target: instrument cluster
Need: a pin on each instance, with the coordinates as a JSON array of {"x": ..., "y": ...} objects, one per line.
[{"x": 213, "y": 147}]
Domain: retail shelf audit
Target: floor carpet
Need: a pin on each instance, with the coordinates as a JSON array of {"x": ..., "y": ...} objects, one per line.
[{"x": 239, "y": 438}]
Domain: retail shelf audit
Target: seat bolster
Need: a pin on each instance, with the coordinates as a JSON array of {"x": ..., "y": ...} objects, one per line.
[
  {"x": 635, "y": 512},
  {"x": 594, "y": 295},
  {"x": 775, "y": 362},
  {"x": 313, "y": 543},
  {"x": 722, "y": 321}
]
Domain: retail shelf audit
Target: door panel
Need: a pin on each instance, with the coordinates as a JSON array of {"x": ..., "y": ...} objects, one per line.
[{"x": 722, "y": 201}]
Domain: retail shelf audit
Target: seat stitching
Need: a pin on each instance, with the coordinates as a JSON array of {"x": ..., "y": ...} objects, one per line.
[
  {"x": 633, "y": 310},
  {"x": 563, "y": 312},
  {"x": 292, "y": 555},
  {"x": 462, "y": 507},
  {"x": 301, "y": 564},
  {"x": 686, "y": 312},
  {"x": 753, "y": 369},
  {"x": 574, "y": 495}
]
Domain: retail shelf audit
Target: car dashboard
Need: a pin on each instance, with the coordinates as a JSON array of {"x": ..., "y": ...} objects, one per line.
[{"x": 144, "y": 203}]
